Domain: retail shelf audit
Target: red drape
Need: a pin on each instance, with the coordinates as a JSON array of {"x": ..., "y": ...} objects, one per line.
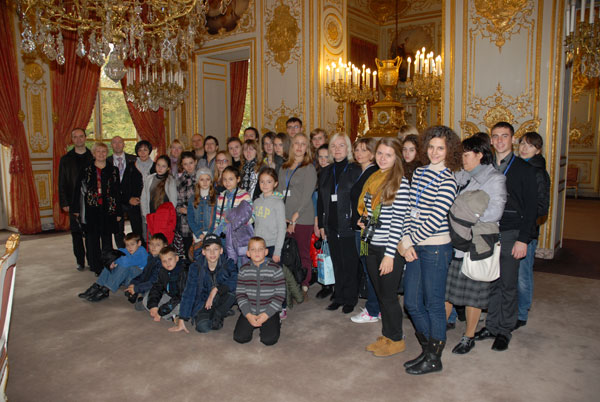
[
  {"x": 361, "y": 52},
  {"x": 238, "y": 72},
  {"x": 25, "y": 212},
  {"x": 74, "y": 88},
  {"x": 149, "y": 125}
]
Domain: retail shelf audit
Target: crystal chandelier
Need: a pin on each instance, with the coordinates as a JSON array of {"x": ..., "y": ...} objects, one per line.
[
  {"x": 158, "y": 33},
  {"x": 583, "y": 39},
  {"x": 150, "y": 88}
]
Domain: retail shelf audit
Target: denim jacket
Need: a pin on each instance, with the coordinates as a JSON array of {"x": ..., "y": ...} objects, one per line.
[{"x": 201, "y": 219}]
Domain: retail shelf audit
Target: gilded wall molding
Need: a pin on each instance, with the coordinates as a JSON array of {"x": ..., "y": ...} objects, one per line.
[
  {"x": 498, "y": 20},
  {"x": 246, "y": 24},
  {"x": 282, "y": 35},
  {"x": 581, "y": 135},
  {"x": 333, "y": 30},
  {"x": 42, "y": 179},
  {"x": 276, "y": 118},
  {"x": 35, "y": 89}
]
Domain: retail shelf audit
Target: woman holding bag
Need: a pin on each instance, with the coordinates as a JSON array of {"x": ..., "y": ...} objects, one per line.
[
  {"x": 334, "y": 213},
  {"x": 382, "y": 206},
  {"x": 477, "y": 174}
]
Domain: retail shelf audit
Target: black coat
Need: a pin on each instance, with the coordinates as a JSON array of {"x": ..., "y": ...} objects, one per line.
[
  {"x": 99, "y": 217},
  {"x": 131, "y": 184},
  {"x": 520, "y": 211},
  {"x": 347, "y": 178},
  {"x": 129, "y": 160},
  {"x": 356, "y": 191},
  {"x": 543, "y": 189},
  {"x": 70, "y": 169},
  {"x": 171, "y": 282}
]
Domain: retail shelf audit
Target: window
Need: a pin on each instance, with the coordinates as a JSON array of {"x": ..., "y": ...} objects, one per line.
[
  {"x": 247, "y": 121},
  {"x": 111, "y": 116}
]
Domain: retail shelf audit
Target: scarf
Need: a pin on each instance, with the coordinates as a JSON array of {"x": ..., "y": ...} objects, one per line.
[
  {"x": 144, "y": 167},
  {"x": 373, "y": 187}
]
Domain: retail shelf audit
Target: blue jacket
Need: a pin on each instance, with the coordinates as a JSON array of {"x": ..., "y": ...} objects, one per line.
[
  {"x": 137, "y": 259},
  {"x": 201, "y": 219},
  {"x": 199, "y": 284},
  {"x": 144, "y": 281}
]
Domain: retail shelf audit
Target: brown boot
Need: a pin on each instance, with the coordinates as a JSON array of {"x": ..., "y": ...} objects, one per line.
[
  {"x": 381, "y": 340},
  {"x": 390, "y": 348}
]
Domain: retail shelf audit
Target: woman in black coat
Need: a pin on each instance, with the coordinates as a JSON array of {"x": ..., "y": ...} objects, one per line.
[
  {"x": 100, "y": 205},
  {"x": 334, "y": 211}
]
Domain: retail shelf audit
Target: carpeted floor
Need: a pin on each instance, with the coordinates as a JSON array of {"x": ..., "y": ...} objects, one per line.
[{"x": 64, "y": 349}]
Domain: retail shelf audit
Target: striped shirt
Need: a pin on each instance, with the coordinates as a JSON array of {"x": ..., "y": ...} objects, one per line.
[
  {"x": 389, "y": 233},
  {"x": 435, "y": 193},
  {"x": 260, "y": 289}
]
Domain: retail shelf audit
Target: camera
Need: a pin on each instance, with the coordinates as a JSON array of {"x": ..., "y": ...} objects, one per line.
[{"x": 371, "y": 225}]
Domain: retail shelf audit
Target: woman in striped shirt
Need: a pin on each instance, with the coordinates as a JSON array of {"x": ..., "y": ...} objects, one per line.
[
  {"x": 426, "y": 244},
  {"x": 384, "y": 200}
]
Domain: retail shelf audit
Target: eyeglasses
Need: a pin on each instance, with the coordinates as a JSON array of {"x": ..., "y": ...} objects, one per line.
[{"x": 219, "y": 161}]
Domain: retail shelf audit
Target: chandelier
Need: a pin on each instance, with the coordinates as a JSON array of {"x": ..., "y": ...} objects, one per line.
[
  {"x": 157, "y": 34},
  {"x": 583, "y": 39},
  {"x": 153, "y": 87}
]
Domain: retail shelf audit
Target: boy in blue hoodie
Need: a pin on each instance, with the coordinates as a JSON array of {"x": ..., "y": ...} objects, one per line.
[
  {"x": 121, "y": 271},
  {"x": 163, "y": 299},
  {"x": 210, "y": 288},
  {"x": 141, "y": 284}
]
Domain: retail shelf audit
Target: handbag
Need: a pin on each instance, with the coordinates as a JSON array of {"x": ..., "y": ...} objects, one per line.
[
  {"x": 485, "y": 270},
  {"x": 325, "y": 274}
]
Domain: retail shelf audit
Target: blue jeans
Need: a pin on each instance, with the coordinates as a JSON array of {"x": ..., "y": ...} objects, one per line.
[
  {"x": 453, "y": 316},
  {"x": 525, "y": 285},
  {"x": 425, "y": 289},
  {"x": 372, "y": 305},
  {"x": 119, "y": 275}
]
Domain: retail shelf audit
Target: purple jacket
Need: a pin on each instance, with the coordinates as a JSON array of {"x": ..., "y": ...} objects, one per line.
[{"x": 238, "y": 231}]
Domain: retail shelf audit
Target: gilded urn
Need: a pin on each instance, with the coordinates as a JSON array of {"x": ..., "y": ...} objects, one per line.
[{"x": 388, "y": 75}]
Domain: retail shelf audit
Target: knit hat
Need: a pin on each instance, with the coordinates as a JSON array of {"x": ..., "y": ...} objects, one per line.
[{"x": 204, "y": 170}]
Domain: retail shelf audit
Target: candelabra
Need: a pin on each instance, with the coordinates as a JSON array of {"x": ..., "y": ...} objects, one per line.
[
  {"x": 583, "y": 39},
  {"x": 424, "y": 83},
  {"x": 347, "y": 83}
]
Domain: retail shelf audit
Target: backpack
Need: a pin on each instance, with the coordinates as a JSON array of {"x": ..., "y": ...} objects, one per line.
[{"x": 290, "y": 258}]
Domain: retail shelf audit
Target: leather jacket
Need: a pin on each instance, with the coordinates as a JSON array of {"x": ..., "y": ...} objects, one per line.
[{"x": 68, "y": 173}]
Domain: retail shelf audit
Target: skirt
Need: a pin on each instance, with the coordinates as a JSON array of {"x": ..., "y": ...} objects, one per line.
[{"x": 464, "y": 291}]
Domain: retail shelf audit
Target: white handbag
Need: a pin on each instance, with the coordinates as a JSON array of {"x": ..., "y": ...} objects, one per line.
[{"x": 486, "y": 270}]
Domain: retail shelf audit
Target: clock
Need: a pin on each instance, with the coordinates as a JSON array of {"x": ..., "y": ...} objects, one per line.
[{"x": 383, "y": 117}]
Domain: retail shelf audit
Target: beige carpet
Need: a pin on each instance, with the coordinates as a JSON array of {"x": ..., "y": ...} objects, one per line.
[
  {"x": 64, "y": 349},
  {"x": 581, "y": 219}
]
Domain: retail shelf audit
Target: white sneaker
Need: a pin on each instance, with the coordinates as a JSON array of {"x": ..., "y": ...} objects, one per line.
[{"x": 363, "y": 316}]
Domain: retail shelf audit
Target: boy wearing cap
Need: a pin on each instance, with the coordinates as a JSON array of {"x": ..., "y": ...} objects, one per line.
[
  {"x": 210, "y": 289},
  {"x": 201, "y": 208}
]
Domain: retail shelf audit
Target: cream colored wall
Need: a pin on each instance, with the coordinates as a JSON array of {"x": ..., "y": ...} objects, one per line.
[{"x": 510, "y": 66}]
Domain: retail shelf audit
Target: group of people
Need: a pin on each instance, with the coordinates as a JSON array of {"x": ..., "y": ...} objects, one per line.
[{"x": 215, "y": 221}]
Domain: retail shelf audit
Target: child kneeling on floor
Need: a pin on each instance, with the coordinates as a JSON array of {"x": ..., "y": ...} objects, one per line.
[
  {"x": 163, "y": 299},
  {"x": 210, "y": 288},
  {"x": 121, "y": 271},
  {"x": 260, "y": 293},
  {"x": 140, "y": 285}
]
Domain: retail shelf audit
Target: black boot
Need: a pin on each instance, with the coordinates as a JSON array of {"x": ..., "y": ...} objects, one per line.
[
  {"x": 101, "y": 294},
  {"x": 423, "y": 341},
  {"x": 90, "y": 291},
  {"x": 432, "y": 361}
]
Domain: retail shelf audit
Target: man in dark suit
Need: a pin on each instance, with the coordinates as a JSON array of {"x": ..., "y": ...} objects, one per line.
[
  {"x": 516, "y": 224},
  {"x": 70, "y": 167},
  {"x": 120, "y": 160}
]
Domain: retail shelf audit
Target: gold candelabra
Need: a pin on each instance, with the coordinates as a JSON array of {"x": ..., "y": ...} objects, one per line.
[
  {"x": 347, "y": 83},
  {"x": 424, "y": 83},
  {"x": 583, "y": 39}
]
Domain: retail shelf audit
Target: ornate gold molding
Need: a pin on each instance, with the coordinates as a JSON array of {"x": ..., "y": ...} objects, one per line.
[
  {"x": 35, "y": 90},
  {"x": 246, "y": 24},
  {"x": 498, "y": 20},
  {"x": 282, "y": 36},
  {"x": 42, "y": 179},
  {"x": 333, "y": 30},
  {"x": 276, "y": 118},
  {"x": 581, "y": 135}
]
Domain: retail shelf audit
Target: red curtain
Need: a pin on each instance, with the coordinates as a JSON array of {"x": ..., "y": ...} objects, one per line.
[
  {"x": 149, "y": 125},
  {"x": 238, "y": 72},
  {"x": 25, "y": 212},
  {"x": 74, "y": 88},
  {"x": 361, "y": 52}
]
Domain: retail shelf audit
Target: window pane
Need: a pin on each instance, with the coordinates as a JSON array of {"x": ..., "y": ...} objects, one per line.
[
  {"x": 130, "y": 146},
  {"x": 115, "y": 116},
  {"x": 90, "y": 130}
]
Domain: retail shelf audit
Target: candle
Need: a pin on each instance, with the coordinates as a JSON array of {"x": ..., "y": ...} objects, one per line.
[
  {"x": 591, "y": 11},
  {"x": 582, "y": 10},
  {"x": 375, "y": 80},
  {"x": 336, "y": 74},
  {"x": 340, "y": 62},
  {"x": 327, "y": 70},
  {"x": 408, "y": 70},
  {"x": 568, "y": 21},
  {"x": 368, "y": 78},
  {"x": 421, "y": 62}
]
